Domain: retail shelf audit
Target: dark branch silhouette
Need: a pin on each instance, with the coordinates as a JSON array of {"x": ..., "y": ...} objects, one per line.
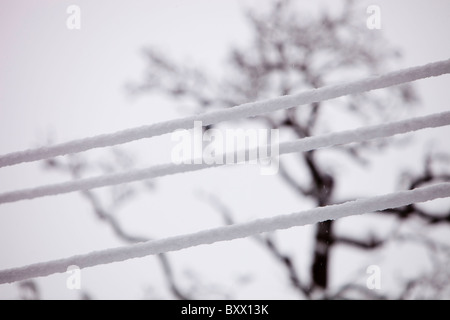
[
  {"x": 74, "y": 168},
  {"x": 267, "y": 242}
]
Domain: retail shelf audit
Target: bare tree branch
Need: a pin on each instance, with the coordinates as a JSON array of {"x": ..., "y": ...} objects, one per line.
[
  {"x": 267, "y": 242},
  {"x": 369, "y": 244},
  {"x": 74, "y": 169}
]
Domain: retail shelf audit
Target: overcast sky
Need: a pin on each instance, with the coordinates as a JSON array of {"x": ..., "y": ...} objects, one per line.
[{"x": 68, "y": 84}]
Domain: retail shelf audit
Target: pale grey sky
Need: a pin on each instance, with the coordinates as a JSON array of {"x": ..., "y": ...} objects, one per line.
[{"x": 70, "y": 84}]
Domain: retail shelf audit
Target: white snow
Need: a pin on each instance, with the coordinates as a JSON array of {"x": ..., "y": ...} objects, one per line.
[
  {"x": 301, "y": 145},
  {"x": 241, "y": 111},
  {"x": 228, "y": 233}
]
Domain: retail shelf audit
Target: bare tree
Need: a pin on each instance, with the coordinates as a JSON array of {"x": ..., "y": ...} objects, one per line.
[{"x": 290, "y": 53}]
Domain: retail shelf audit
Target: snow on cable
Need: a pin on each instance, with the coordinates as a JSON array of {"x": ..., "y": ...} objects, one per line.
[
  {"x": 301, "y": 145},
  {"x": 241, "y": 111},
  {"x": 228, "y": 233}
]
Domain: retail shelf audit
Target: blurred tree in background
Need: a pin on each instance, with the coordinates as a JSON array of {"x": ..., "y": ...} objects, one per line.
[{"x": 291, "y": 52}]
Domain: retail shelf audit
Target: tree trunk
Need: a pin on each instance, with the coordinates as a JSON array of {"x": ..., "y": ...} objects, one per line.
[
  {"x": 322, "y": 250},
  {"x": 323, "y": 185}
]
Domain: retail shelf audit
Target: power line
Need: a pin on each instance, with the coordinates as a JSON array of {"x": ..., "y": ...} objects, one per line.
[
  {"x": 301, "y": 145},
  {"x": 241, "y": 111},
  {"x": 228, "y": 233}
]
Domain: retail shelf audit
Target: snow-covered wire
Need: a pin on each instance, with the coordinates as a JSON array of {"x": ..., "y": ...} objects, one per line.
[
  {"x": 228, "y": 233},
  {"x": 241, "y": 111},
  {"x": 301, "y": 145}
]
